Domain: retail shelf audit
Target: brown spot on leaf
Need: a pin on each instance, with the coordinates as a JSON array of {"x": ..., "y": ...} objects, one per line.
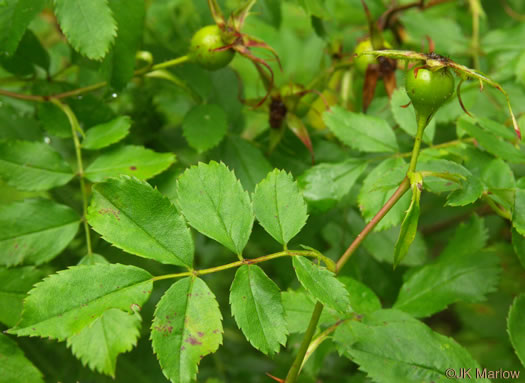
[
  {"x": 133, "y": 168},
  {"x": 200, "y": 334},
  {"x": 193, "y": 341}
]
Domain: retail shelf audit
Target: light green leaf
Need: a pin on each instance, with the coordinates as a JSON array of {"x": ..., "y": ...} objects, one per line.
[
  {"x": 14, "y": 285},
  {"x": 68, "y": 301},
  {"x": 99, "y": 343},
  {"x": 15, "y": 16},
  {"x": 186, "y": 327},
  {"x": 214, "y": 202},
  {"x": 129, "y": 15},
  {"x": 106, "y": 134},
  {"x": 393, "y": 347},
  {"x": 130, "y": 160},
  {"x": 16, "y": 368},
  {"x": 516, "y": 326},
  {"x": 32, "y": 166},
  {"x": 518, "y": 243},
  {"x": 406, "y": 116},
  {"x": 518, "y": 215},
  {"x": 88, "y": 25},
  {"x": 459, "y": 274},
  {"x": 279, "y": 206},
  {"x": 326, "y": 184},
  {"x": 249, "y": 164},
  {"x": 298, "y": 308},
  {"x": 409, "y": 225},
  {"x": 322, "y": 284},
  {"x": 257, "y": 308},
  {"x": 204, "y": 126},
  {"x": 361, "y": 132},
  {"x": 133, "y": 216},
  {"x": 378, "y": 187},
  {"x": 493, "y": 144},
  {"x": 35, "y": 231},
  {"x": 362, "y": 298}
]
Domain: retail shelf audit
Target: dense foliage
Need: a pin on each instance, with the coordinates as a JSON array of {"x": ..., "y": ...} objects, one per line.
[{"x": 230, "y": 191}]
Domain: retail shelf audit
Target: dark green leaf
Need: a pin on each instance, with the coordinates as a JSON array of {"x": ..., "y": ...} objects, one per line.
[
  {"x": 53, "y": 119},
  {"x": 326, "y": 184},
  {"x": 205, "y": 126},
  {"x": 65, "y": 303},
  {"x": 246, "y": 160},
  {"x": 518, "y": 215},
  {"x": 214, "y": 202},
  {"x": 186, "y": 327},
  {"x": 16, "y": 368},
  {"x": 14, "y": 285},
  {"x": 492, "y": 143},
  {"x": 15, "y": 16},
  {"x": 361, "y": 132},
  {"x": 279, "y": 206},
  {"x": 518, "y": 242},
  {"x": 362, "y": 298},
  {"x": 35, "y": 231},
  {"x": 32, "y": 166},
  {"x": 257, "y": 308},
  {"x": 459, "y": 274},
  {"x": 393, "y": 347},
  {"x": 129, "y": 16},
  {"x": 322, "y": 284},
  {"x": 133, "y": 216},
  {"x": 378, "y": 187}
]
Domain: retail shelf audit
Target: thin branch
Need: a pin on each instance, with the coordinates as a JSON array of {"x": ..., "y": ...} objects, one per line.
[{"x": 388, "y": 15}]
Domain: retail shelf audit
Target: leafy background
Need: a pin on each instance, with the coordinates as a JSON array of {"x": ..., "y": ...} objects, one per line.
[{"x": 463, "y": 275}]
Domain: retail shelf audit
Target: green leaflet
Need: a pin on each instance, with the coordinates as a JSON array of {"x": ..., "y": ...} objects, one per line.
[
  {"x": 133, "y": 216},
  {"x": 516, "y": 326},
  {"x": 204, "y": 126},
  {"x": 322, "y": 284},
  {"x": 16, "y": 368},
  {"x": 186, "y": 327},
  {"x": 462, "y": 273},
  {"x": 88, "y": 25},
  {"x": 15, "y": 16},
  {"x": 14, "y": 285},
  {"x": 279, "y": 206},
  {"x": 409, "y": 225},
  {"x": 99, "y": 343},
  {"x": 361, "y": 132},
  {"x": 131, "y": 160},
  {"x": 393, "y": 347},
  {"x": 129, "y": 15},
  {"x": 68, "y": 301},
  {"x": 257, "y": 308},
  {"x": 32, "y": 166},
  {"x": 103, "y": 135},
  {"x": 214, "y": 203},
  {"x": 35, "y": 231},
  {"x": 324, "y": 185},
  {"x": 518, "y": 243},
  {"x": 363, "y": 299}
]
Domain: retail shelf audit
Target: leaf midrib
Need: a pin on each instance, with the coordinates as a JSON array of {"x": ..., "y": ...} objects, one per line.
[{"x": 39, "y": 231}]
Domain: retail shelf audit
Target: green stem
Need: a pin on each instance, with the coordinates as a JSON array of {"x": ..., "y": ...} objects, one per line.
[
  {"x": 310, "y": 331},
  {"x": 286, "y": 253},
  {"x": 170, "y": 63},
  {"x": 475, "y": 9},
  {"x": 498, "y": 210},
  {"x": 75, "y": 129},
  {"x": 422, "y": 121}
]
